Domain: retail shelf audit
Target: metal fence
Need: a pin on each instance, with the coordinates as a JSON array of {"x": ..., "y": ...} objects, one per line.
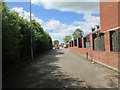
[{"x": 87, "y": 42}]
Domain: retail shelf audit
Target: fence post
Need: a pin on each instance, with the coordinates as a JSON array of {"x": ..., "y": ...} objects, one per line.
[
  {"x": 91, "y": 41},
  {"x": 78, "y": 40},
  {"x": 83, "y": 44},
  {"x": 107, "y": 41},
  {"x": 73, "y": 43}
]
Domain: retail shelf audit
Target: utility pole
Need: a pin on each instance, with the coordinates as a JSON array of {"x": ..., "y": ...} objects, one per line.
[{"x": 31, "y": 33}]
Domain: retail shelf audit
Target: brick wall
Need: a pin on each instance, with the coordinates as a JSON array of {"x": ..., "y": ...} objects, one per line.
[
  {"x": 107, "y": 57},
  {"x": 109, "y": 19},
  {"x": 109, "y": 13}
]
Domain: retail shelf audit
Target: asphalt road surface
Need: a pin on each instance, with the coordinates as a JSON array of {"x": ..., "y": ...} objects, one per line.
[{"x": 60, "y": 68}]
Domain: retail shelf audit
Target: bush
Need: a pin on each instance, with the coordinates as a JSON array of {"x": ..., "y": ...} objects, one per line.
[{"x": 16, "y": 39}]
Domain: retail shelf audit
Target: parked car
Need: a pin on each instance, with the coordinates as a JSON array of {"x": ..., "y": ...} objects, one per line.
[{"x": 56, "y": 47}]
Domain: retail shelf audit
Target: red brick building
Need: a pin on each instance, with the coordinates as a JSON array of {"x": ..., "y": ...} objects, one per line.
[{"x": 103, "y": 46}]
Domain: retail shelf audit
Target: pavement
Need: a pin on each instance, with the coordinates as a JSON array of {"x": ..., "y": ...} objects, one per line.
[{"x": 60, "y": 68}]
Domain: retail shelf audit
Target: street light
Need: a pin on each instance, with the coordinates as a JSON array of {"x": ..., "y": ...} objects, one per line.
[
  {"x": 97, "y": 26},
  {"x": 31, "y": 33},
  {"x": 93, "y": 29}
]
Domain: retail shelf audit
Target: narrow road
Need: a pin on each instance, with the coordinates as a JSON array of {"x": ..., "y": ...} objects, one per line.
[{"x": 59, "y": 69}]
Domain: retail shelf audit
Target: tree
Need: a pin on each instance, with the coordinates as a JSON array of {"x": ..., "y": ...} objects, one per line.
[
  {"x": 77, "y": 33},
  {"x": 16, "y": 35},
  {"x": 25, "y": 38},
  {"x": 67, "y": 39},
  {"x": 55, "y": 42},
  {"x": 10, "y": 34}
]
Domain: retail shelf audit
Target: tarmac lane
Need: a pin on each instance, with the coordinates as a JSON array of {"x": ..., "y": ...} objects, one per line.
[{"x": 59, "y": 68}]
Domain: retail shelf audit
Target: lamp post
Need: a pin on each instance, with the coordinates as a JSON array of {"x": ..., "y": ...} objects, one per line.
[
  {"x": 31, "y": 33},
  {"x": 93, "y": 29},
  {"x": 97, "y": 26}
]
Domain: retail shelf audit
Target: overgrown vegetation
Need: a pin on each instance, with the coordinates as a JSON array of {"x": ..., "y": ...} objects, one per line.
[
  {"x": 77, "y": 33},
  {"x": 55, "y": 42},
  {"x": 67, "y": 39},
  {"x": 16, "y": 41}
]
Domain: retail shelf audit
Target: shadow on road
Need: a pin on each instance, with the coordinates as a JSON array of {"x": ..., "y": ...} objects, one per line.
[{"x": 42, "y": 73}]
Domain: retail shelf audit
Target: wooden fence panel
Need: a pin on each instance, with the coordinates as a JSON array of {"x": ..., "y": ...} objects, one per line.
[
  {"x": 115, "y": 41},
  {"x": 80, "y": 43},
  {"x": 99, "y": 44}
]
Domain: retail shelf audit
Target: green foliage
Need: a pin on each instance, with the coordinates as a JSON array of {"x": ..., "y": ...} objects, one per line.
[
  {"x": 67, "y": 39},
  {"x": 77, "y": 33},
  {"x": 25, "y": 35},
  {"x": 16, "y": 39},
  {"x": 10, "y": 36},
  {"x": 55, "y": 42}
]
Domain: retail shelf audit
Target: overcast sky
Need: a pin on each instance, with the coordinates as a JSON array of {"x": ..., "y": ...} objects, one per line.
[{"x": 60, "y": 18}]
